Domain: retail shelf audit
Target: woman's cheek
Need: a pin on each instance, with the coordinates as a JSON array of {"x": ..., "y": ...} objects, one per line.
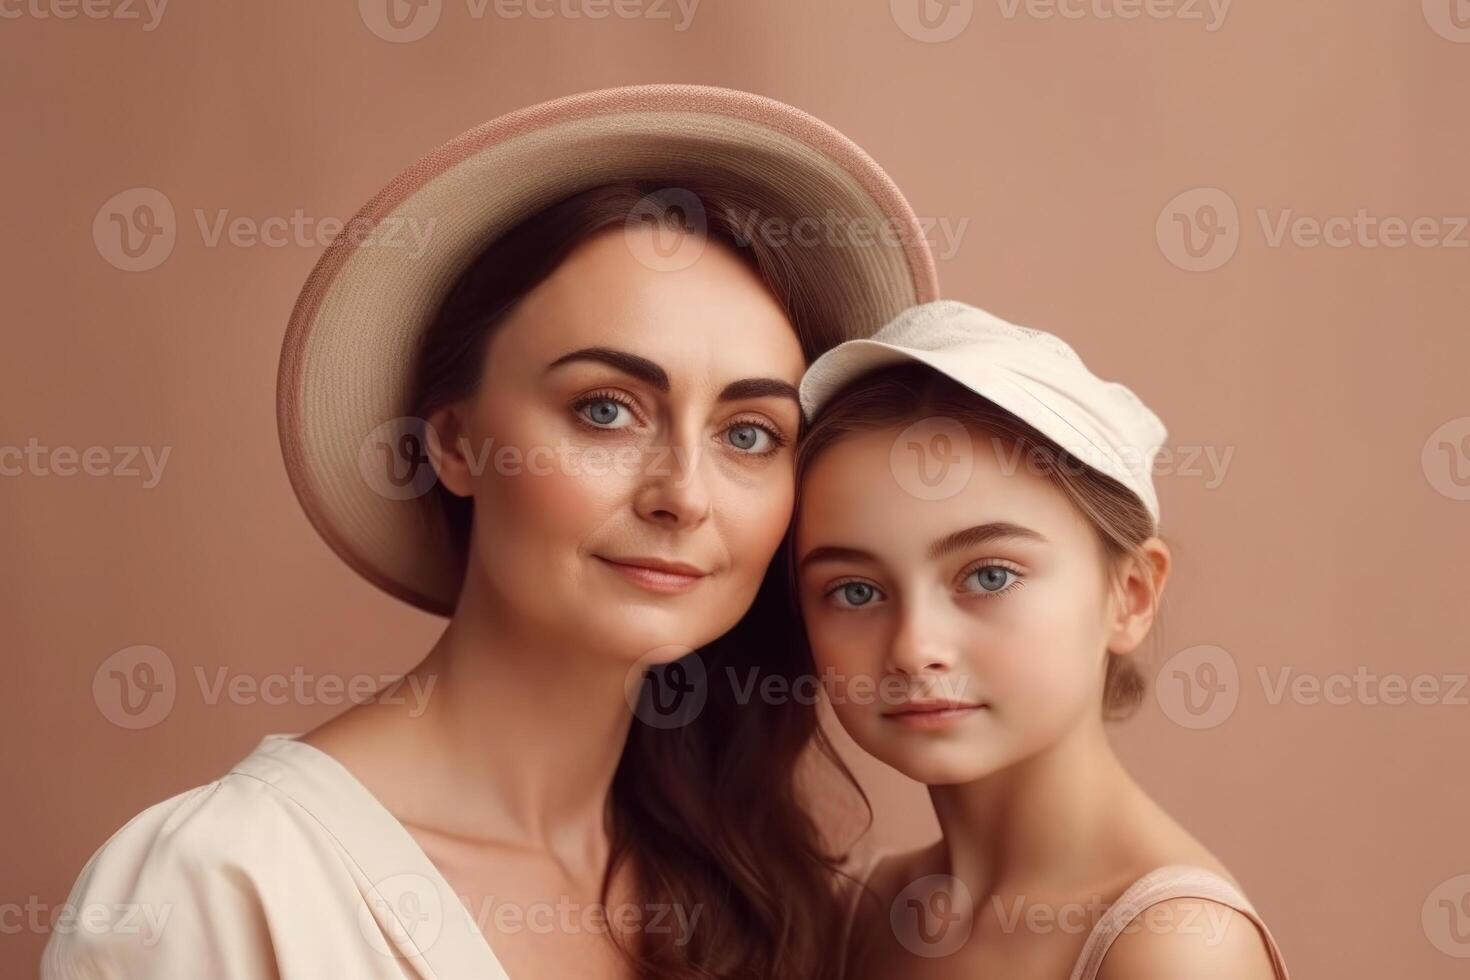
[
  {"x": 754, "y": 511},
  {"x": 566, "y": 496},
  {"x": 538, "y": 465},
  {"x": 535, "y": 515}
]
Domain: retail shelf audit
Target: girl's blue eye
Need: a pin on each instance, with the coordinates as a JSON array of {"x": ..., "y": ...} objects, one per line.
[
  {"x": 992, "y": 578},
  {"x": 854, "y": 594}
]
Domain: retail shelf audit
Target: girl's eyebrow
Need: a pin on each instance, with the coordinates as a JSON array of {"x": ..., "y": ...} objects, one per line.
[
  {"x": 658, "y": 379},
  {"x": 980, "y": 534},
  {"x": 968, "y": 538}
]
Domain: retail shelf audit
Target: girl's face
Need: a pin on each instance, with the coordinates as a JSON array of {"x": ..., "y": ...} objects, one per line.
[
  {"x": 992, "y": 601},
  {"x": 631, "y": 414}
]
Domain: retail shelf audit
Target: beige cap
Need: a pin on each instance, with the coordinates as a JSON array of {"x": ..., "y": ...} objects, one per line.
[{"x": 1032, "y": 374}]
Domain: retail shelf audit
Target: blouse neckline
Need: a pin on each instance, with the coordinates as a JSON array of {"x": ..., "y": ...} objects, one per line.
[{"x": 412, "y": 902}]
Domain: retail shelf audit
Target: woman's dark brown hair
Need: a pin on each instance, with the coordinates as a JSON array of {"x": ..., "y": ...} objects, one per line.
[
  {"x": 895, "y": 396},
  {"x": 707, "y": 815}
]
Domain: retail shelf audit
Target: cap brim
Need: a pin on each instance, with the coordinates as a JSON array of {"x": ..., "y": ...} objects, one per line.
[
  {"x": 348, "y": 352},
  {"x": 1017, "y": 395}
]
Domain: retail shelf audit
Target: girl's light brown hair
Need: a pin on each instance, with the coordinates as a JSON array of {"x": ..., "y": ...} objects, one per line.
[{"x": 897, "y": 395}]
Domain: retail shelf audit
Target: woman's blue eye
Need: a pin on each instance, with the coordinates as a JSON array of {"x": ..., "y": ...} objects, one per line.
[
  {"x": 992, "y": 578},
  {"x": 603, "y": 411},
  {"x": 747, "y": 437}
]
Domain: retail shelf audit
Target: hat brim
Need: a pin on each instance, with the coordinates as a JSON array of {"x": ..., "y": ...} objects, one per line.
[{"x": 348, "y": 353}]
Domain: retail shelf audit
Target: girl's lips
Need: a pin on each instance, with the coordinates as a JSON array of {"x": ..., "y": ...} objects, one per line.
[
  {"x": 655, "y": 580},
  {"x": 929, "y": 717}
]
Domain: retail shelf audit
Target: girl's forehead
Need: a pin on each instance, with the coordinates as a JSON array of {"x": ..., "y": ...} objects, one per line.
[{"x": 904, "y": 483}]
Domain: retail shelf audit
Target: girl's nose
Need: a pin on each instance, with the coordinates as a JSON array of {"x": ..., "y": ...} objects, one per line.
[{"x": 921, "y": 643}]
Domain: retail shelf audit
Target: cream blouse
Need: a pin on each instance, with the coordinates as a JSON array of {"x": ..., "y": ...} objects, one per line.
[{"x": 285, "y": 867}]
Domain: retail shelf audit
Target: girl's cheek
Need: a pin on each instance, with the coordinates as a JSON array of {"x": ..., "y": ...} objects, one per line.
[
  {"x": 1046, "y": 640},
  {"x": 828, "y": 653},
  {"x": 837, "y": 651},
  {"x": 1044, "y": 687}
]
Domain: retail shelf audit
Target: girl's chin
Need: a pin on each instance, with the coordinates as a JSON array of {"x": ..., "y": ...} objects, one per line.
[
  {"x": 941, "y": 765},
  {"x": 947, "y": 775}
]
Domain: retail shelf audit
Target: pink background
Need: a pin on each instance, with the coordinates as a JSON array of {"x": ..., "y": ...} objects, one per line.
[{"x": 1334, "y": 542}]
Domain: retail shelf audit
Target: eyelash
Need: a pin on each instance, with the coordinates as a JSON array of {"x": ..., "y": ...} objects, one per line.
[
  {"x": 778, "y": 439},
  {"x": 983, "y": 593},
  {"x": 995, "y": 563}
]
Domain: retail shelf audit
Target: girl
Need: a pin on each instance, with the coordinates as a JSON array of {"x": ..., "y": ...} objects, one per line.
[{"x": 976, "y": 557}]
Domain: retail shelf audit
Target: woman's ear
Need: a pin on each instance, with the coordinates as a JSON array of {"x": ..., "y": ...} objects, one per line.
[
  {"x": 447, "y": 442},
  {"x": 1139, "y": 586}
]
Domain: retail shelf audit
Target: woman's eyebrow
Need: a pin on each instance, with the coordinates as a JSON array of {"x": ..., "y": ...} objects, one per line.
[
  {"x": 968, "y": 538},
  {"x": 656, "y": 377},
  {"x": 639, "y": 367},
  {"x": 759, "y": 388}
]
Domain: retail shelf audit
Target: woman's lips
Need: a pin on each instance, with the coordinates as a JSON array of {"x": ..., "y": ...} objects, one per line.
[
  {"x": 927, "y": 717},
  {"x": 653, "y": 579}
]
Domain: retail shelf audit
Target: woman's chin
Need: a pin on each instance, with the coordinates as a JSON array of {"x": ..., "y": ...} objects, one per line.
[{"x": 650, "y": 640}]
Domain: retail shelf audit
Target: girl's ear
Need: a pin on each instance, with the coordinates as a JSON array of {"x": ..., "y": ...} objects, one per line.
[
  {"x": 448, "y": 447},
  {"x": 1140, "y": 583}
]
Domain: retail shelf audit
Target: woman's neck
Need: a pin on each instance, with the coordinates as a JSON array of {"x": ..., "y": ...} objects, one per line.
[
  {"x": 517, "y": 741},
  {"x": 1050, "y": 818}
]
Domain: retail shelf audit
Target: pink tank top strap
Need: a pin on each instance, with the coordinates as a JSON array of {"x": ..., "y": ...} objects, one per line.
[{"x": 1161, "y": 885}]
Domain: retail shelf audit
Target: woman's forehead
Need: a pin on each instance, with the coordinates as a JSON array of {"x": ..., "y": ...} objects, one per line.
[{"x": 713, "y": 314}]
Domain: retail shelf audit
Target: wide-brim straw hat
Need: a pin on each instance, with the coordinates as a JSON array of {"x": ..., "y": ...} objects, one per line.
[{"x": 349, "y": 351}]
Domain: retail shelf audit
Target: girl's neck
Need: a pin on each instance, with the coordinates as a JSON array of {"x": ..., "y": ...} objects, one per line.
[{"x": 1051, "y": 819}]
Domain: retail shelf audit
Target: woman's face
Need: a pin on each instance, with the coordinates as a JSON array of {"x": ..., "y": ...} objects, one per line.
[
  {"x": 632, "y": 414},
  {"x": 992, "y": 601}
]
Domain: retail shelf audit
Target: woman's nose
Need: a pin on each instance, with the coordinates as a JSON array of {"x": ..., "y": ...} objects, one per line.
[{"x": 673, "y": 490}]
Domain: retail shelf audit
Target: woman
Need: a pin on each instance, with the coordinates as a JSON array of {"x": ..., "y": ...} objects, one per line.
[{"x": 607, "y": 366}]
